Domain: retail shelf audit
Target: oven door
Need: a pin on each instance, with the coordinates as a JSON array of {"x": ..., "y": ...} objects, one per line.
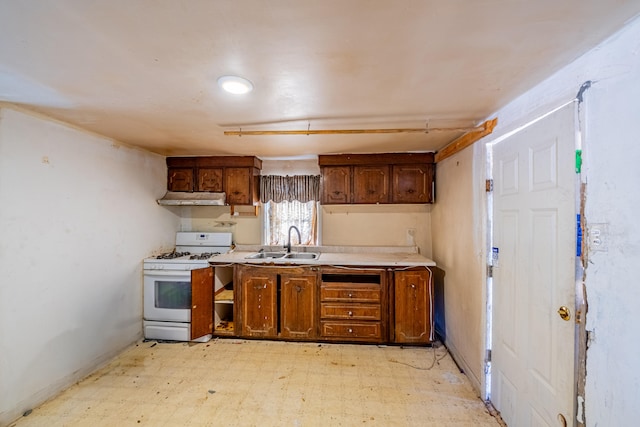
[{"x": 167, "y": 296}]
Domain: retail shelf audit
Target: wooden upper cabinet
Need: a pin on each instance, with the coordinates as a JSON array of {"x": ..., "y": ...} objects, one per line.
[
  {"x": 209, "y": 179},
  {"x": 336, "y": 185},
  {"x": 237, "y": 176},
  {"x": 371, "y": 184},
  {"x": 412, "y": 183},
  {"x": 377, "y": 178},
  {"x": 237, "y": 183},
  {"x": 180, "y": 179}
]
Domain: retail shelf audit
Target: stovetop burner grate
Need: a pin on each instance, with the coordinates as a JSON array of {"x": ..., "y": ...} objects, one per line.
[
  {"x": 205, "y": 255},
  {"x": 172, "y": 255}
]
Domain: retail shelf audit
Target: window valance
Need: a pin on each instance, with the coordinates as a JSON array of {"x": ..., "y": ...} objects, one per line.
[{"x": 303, "y": 188}]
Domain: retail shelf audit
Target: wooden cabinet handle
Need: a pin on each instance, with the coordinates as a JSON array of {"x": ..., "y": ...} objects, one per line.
[
  {"x": 336, "y": 192},
  {"x": 411, "y": 191}
]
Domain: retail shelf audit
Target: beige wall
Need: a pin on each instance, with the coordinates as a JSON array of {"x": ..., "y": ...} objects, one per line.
[
  {"x": 246, "y": 229},
  {"x": 377, "y": 225},
  {"x": 366, "y": 225},
  {"x": 77, "y": 216},
  {"x": 458, "y": 226}
]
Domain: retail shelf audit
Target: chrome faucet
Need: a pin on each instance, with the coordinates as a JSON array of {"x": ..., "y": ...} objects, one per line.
[{"x": 288, "y": 246}]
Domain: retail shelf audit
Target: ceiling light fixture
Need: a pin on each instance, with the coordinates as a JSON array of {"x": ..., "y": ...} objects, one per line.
[{"x": 234, "y": 84}]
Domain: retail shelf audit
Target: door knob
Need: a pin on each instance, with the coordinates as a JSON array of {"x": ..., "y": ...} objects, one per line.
[{"x": 564, "y": 313}]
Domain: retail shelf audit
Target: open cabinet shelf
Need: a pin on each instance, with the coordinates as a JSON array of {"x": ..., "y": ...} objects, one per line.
[{"x": 223, "y": 306}]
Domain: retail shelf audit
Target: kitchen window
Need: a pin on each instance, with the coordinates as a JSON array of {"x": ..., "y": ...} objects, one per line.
[
  {"x": 290, "y": 201},
  {"x": 280, "y": 216}
]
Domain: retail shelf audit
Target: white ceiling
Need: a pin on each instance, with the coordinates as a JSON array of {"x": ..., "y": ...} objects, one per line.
[{"x": 144, "y": 71}]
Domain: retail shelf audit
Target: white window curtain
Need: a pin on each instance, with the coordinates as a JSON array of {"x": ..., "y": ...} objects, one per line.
[
  {"x": 280, "y": 216},
  {"x": 288, "y": 201}
]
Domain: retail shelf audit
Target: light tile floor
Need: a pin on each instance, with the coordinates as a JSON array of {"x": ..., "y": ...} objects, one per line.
[{"x": 230, "y": 382}]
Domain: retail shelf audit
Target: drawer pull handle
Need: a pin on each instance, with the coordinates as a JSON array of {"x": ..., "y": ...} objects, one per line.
[
  {"x": 350, "y": 330},
  {"x": 413, "y": 286},
  {"x": 351, "y": 313},
  {"x": 350, "y": 295}
]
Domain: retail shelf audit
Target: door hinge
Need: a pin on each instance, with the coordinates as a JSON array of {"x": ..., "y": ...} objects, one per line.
[
  {"x": 488, "y": 359},
  {"x": 489, "y": 270},
  {"x": 488, "y": 185}
]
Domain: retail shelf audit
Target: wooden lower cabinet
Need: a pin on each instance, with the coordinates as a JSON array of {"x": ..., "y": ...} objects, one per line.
[
  {"x": 201, "y": 302},
  {"x": 298, "y": 312},
  {"x": 334, "y": 304},
  {"x": 352, "y": 305},
  {"x": 352, "y": 331},
  {"x": 278, "y": 302},
  {"x": 259, "y": 302},
  {"x": 413, "y": 308}
]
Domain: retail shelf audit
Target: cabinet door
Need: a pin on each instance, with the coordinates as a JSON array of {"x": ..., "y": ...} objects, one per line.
[
  {"x": 237, "y": 185},
  {"x": 298, "y": 306},
  {"x": 413, "y": 307},
  {"x": 336, "y": 185},
  {"x": 209, "y": 179},
  {"x": 180, "y": 179},
  {"x": 413, "y": 183},
  {"x": 259, "y": 303},
  {"x": 201, "y": 302},
  {"x": 371, "y": 184}
]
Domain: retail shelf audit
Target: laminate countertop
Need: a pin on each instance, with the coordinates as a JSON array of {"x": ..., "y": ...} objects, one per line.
[{"x": 402, "y": 256}]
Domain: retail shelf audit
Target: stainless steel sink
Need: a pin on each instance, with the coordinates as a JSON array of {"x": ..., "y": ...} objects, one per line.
[
  {"x": 302, "y": 255},
  {"x": 265, "y": 255}
]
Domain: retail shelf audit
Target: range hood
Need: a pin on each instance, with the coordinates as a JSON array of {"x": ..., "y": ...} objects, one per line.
[{"x": 174, "y": 198}]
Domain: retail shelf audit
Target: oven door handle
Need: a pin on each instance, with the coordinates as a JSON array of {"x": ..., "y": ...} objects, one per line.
[{"x": 174, "y": 273}]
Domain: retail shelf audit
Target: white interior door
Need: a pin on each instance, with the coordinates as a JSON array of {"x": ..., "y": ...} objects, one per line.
[{"x": 534, "y": 231}]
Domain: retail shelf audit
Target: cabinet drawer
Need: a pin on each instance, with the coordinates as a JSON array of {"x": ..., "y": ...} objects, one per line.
[
  {"x": 352, "y": 330},
  {"x": 335, "y": 292},
  {"x": 351, "y": 311}
]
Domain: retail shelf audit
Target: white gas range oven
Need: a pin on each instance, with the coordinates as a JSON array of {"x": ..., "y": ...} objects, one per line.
[{"x": 178, "y": 288}]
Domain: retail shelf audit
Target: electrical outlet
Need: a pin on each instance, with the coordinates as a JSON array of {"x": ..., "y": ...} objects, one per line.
[{"x": 599, "y": 237}]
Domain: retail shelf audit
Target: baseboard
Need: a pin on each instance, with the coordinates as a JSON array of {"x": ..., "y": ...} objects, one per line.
[{"x": 476, "y": 382}]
